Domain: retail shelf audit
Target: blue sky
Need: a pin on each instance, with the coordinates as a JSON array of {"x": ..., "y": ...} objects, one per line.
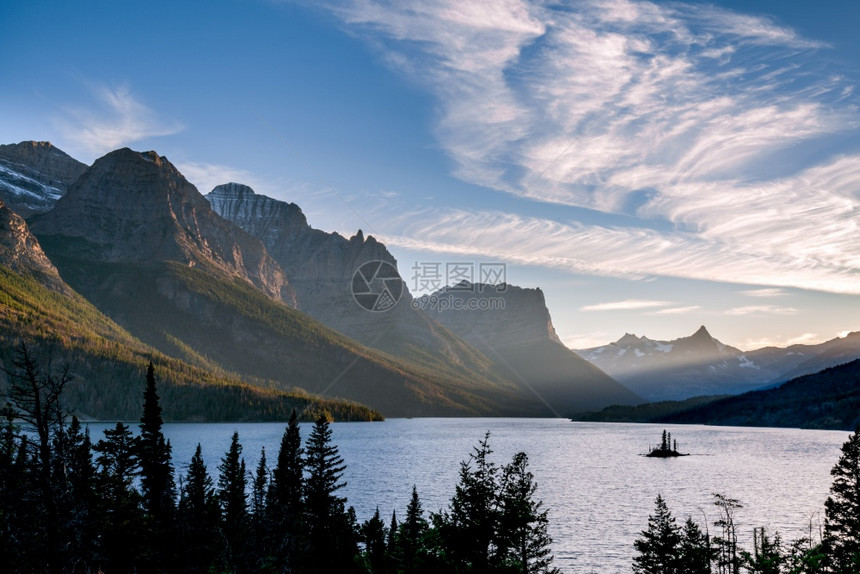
[{"x": 652, "y": 166}]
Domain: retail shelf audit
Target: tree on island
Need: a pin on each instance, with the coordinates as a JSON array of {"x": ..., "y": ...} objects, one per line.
[{"x": 667, "y": 447}]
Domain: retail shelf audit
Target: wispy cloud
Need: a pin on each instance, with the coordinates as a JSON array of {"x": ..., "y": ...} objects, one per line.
[
  {"x": 626, "y": 305},
  {"x": 676, "y": 310},
  {"x": 768, "y": 292},
  {"x": 625, "y": 252},
  {"x": 116, "y": 118},
  {"x": 805, "y": 339},
  {"x": 761, "y": 310},
  {"x": 690, "y": 116}
]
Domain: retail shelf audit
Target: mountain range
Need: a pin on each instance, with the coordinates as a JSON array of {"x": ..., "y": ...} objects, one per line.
[
  {"x": 237, "y": 298},
  {"x": 240, "y": 288},
  {"x": 702, "y": 365}
]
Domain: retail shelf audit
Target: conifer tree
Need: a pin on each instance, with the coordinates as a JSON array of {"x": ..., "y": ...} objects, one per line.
[
  {"x": 373, "y": 534},
  {"x": 842, "y": 525},
  {"x": 80, "y": 504},
  {"x": 156, "y": 476},
  {"x": 467, "y": 528},
  {"x": 410, "y": 536},
  {"x": 694, "y": 553},
  {"x": 522, "y": 540},
  {"x": 260, "y": 488},
  {"x": 123, "y": 537},
  {"x": 198, "y": 517},
  {"x": 331, "y": 537},
  {"x": 284, "y": 502},
  {"x": 232, "y": 484},
  {"x": 658, "y": 548}
]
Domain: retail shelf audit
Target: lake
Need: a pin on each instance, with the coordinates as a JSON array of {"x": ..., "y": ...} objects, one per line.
[{"x": 591, "y": 476}]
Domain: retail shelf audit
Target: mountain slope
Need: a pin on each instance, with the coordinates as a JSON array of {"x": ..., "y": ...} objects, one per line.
[
  {"x": 829, "y": 399},
  {"x": 512, "y": 326},
  {"x": 136, "y": 239},
  {"x": 321, "y": 267},
  {"x": 34, "y": 175},
  {"x": 798, "y": 360},
  {"x": 137, "y": 207},
  {"x": 106, "y": 362}
]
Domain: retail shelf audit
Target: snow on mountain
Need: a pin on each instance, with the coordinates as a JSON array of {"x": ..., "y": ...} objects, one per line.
[
  {"x": 702, "y": 365},
  {"x": 34, "y": 175}
]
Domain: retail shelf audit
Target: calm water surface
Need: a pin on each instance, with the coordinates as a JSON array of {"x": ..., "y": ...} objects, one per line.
[{"x": 598, "y": 488}]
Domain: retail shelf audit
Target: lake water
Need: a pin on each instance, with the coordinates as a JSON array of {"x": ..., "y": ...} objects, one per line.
[{"x": 591, "y": 477}]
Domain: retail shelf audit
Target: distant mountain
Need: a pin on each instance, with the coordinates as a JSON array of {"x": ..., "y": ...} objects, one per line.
[
  {"x": 829, "y": 399},
  {"x": 512, "y": 326},
  {"x": 702, "y": 365},
  {"x": 34, "y": 175},
  {"x": 61, "y": 329},
  {"x": 137, "y": 239},
  {"x": 798, "y": 360},
  {"x": 321, "y": 267}
]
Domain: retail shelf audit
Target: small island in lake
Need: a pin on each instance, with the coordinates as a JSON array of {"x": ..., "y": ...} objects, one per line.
[{"x": 666, "y": 449}]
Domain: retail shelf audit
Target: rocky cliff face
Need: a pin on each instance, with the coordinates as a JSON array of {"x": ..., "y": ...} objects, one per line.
[
  {"x": 491, "y": 315},
  {"x": 20, "y": 251},
  {"x": 512, "y": 326},
  {"x": 321, "y": 266},
  {"x": 34, "y": 175},
  {"x": 135, "y": 207}
]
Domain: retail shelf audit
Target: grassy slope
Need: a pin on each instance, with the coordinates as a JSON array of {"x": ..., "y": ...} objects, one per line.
[
  {"x": 198, "y": 316},
  {"x": 108, "y": 364}
]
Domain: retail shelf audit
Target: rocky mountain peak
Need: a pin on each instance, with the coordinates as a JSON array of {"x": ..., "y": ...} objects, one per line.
[
  {"x": 34, "y": 175},
  {"x": 628, "y": 340},
  {"x": 134, "y": 206},
  {"x": 701, "y": 334},
  {"x": 257, "y": 214},
  {"x": 20, "y": 251}
]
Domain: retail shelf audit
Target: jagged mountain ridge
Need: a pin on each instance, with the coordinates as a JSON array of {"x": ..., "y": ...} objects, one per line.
[
  {"x": 138, "y": 240},
  {"x": 513, "y": 326},
  {"x": 678, "y": 369},
  {"x": 321, "y": 267},
  {"x": 702, "y": 365},
  {"x": 34, "y": 175}
]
